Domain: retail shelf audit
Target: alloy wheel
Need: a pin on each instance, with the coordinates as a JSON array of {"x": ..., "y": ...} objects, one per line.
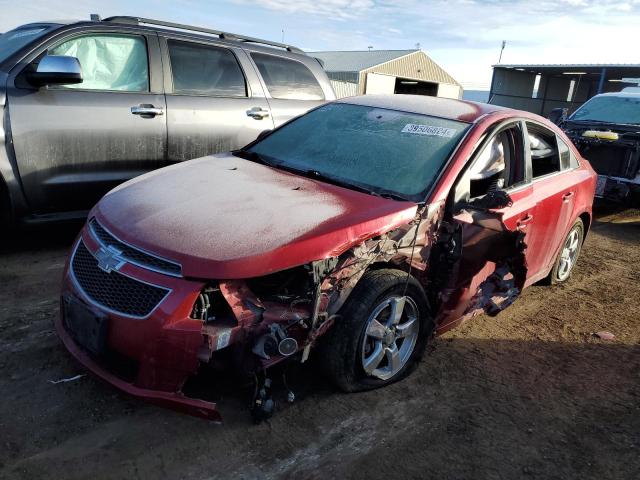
[{"x": 391, "y": 334}]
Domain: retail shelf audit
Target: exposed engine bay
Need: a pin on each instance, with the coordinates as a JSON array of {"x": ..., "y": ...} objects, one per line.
[
  {"x": 469, "y": 263},
  {"x": 614, "y": 152}
]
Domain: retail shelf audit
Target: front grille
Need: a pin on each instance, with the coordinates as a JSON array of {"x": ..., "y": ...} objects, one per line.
[
  {"x": 113, "y": 290},
  {"x": 134, "y": 255}
]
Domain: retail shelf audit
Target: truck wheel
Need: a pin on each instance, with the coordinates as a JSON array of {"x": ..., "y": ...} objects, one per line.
[
  {"x": 380, "y": 335},
  {"x": 568, "y": 256}
]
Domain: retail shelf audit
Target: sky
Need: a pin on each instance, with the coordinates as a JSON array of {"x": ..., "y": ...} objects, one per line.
[{"x": 462, "y": 36}]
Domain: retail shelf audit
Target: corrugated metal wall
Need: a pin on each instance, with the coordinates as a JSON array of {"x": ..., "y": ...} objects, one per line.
[
  {"x": 345, "y": 84},
  {"x": 344, "y": 89},
  {"x": 415, "y": 66}
]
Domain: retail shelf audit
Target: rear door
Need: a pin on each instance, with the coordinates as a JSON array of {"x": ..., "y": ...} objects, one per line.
[
  {"x": 555, "y": 182},
  {"x": 74, "y": 143},
  {"x": 291, "y": 86},
  {"x": 215, "y": 102}
]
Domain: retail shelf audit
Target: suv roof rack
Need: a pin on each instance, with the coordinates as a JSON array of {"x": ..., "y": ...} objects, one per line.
[{"x": 180, "y": 26}]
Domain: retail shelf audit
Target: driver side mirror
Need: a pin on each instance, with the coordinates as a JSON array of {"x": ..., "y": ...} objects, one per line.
[
  {"x": 56, "y": 70},
  {"x": 558, "y": 115},
  {"x": 494, "y": 200}
]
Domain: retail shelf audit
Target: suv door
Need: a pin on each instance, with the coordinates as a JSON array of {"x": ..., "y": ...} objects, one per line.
[
  {"x": 555, "y": 183},
  {"x": 493, "y": 213},
  {"x": 215, "y": 102},
  {"x": 73, "y": 143},
  {"x": 292, "y": 87}
]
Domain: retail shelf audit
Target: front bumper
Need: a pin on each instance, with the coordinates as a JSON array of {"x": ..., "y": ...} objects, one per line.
[
  {"x": 174, "y": 400},
  {"x": 616, "y": 188},
  {"x": 162, "y": 348}
]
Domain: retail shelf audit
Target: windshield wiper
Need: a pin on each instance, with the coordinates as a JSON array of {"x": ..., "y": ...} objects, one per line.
[
  {"x": 253, "y": 156},
  {"x": 390, "y": 195},
  {"x": 335, "y": 181}
]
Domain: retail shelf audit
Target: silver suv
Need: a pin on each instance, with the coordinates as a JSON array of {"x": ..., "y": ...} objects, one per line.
[{"x": 90, "y": 104}]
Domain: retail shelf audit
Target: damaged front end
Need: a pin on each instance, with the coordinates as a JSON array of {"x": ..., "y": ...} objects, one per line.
[
  {"x": 614, "y": 153},
  {"x": 468, "y": 262}
]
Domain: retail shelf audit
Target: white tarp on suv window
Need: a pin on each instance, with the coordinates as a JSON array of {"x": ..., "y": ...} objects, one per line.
[{"x": 109, "y": 62}]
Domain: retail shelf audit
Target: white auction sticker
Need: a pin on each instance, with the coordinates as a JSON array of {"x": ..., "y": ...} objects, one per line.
[{"x": 429, "y": 130}]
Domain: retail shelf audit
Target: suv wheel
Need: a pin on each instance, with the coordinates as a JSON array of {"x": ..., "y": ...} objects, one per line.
[
  {"x": 568, "y": 255},
  {"x": 380, "y": 334}
]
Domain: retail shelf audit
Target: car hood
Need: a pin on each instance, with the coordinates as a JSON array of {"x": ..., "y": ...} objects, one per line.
[{"x": 222, "y": 217}]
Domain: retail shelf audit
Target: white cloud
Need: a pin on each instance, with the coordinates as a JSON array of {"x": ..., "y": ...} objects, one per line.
[
  {"x": 335, "y": 9},
  {"x": 463, "y": 36}
]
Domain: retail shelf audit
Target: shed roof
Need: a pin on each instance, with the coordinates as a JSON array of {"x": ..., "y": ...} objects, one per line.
[
  {"x": 612, "y": 69},
  {"x": 357, "y": 60}
]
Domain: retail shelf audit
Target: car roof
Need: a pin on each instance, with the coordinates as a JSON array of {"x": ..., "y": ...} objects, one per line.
[
  {"x": 186, "y": 32},
  {"x": 461, "y": 110},
  {"x": 620, "y": 94}
]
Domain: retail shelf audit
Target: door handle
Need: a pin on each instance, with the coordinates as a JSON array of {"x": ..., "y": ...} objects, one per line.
[
  {"x": 567, "y": 196},
  {"x": 523, "y": 222},
  {"x": 257, "y": 113},
  {"x": 146, "y": 110}
]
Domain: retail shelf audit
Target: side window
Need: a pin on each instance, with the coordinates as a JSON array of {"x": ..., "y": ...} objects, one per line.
[
  {"x": 109, "y": 62},
  {"x": 567, "y": 160},
  {"x": 545, "y": 158},
  {"x": 287, "y": 79},
  {"x": 205, "y": 70},
  {"x": 499, "y": 165}
]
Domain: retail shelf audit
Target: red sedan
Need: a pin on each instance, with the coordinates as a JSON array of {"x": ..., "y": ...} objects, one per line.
[{"x": 354, "y": 233}]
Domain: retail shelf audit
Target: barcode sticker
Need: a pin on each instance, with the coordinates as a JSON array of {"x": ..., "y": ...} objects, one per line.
[{"x": 429, "y": 130}]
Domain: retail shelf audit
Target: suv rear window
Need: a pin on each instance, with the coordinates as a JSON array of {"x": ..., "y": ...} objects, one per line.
[
  {"x": 205, "y": 70},
  {"x": 287, "y": 79}
]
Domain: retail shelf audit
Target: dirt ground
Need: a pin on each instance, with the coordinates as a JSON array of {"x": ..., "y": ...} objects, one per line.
[{"x": 528, "y": 394}]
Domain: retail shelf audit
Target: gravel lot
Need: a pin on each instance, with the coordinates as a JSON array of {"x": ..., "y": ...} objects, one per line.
[{"x": 528, "y": 394}]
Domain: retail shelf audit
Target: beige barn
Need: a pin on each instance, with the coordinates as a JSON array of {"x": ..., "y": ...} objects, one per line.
[{"x": 387, "y": 71}]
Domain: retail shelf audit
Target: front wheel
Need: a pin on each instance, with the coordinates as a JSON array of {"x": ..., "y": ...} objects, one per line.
[
  {"x": 568, "y": 255},
  {"x": 381, "y": 332}
]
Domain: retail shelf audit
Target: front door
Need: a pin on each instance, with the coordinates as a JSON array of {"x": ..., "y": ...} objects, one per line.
[
  {"x": 492, "y": 222},
  {"x": 214, "y": 102},
  {"x": 74, "y": 143}
]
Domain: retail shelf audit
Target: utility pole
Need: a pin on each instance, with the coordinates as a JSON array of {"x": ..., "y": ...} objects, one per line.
[
  {"x": 370, "y": 47},
  {"x": 282, "y": 35},
  {"x": 504, "y": 44}
]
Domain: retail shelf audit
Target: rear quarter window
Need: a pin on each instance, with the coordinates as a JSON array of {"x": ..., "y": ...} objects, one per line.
[
  {"x": 205, "y": 70},
  {"x": 287, "y": 79}
]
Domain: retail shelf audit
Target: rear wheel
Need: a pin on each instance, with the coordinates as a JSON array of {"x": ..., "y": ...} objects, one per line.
[
  {"x": 568, "y": 255},
  {"x": 381, "y": 333}
]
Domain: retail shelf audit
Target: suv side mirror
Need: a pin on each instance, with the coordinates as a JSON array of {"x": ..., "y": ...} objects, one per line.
[
  {"x": 558, "y": 115},
  {"x": 56, "y": 70}
]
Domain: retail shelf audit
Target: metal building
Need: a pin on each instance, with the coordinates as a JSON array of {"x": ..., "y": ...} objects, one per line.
[
  {"x": 387, "y": 71},
  {"x": 541, "y": 88}
]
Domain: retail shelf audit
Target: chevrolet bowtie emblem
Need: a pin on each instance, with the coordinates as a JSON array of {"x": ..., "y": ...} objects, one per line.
[{"x": 109, "y": 259}]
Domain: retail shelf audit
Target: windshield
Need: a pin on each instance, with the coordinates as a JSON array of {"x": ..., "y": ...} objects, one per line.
[
  {"x": 14, "y": 40},
  {"x": 380, "y": 150},
  {"x": 610, "y": 109}
]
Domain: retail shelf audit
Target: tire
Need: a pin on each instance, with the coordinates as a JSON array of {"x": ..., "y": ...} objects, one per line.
[
  {"x": 7, "y": 225},
  {"x": 570, "y": 251},
  {"x": 349, "y": 344}
]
